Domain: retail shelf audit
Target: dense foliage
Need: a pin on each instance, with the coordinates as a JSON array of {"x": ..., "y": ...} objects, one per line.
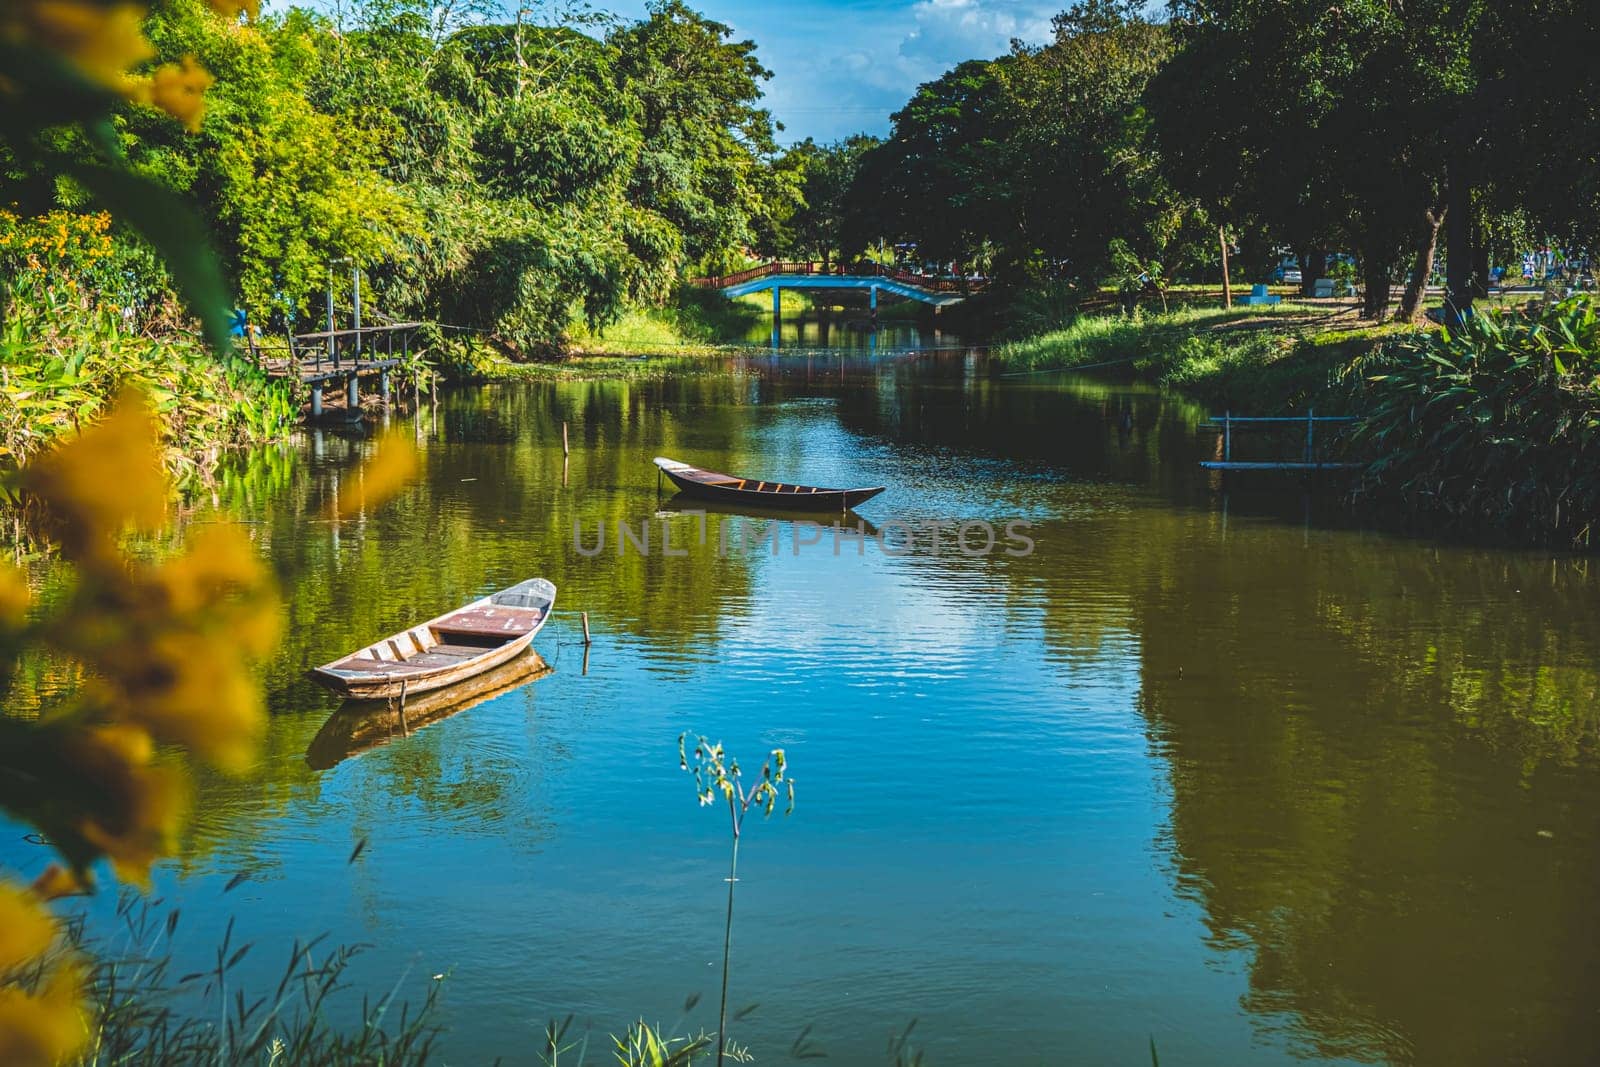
[
  {"x": 508, "y": 178},
  {"x": 70, "y": 344},
  {"x": 1495, "y": 422},
  {"x": 1037, "y": 164},
  {"x": 1386, "y": 131}
]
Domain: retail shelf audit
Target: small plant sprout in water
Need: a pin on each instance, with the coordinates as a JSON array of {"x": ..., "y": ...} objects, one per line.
[{"x": 717, "y": 775}]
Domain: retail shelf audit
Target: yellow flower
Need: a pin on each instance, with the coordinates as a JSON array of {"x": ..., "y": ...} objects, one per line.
[
  {"x": 27, "y": 928},
  {"x": 103, "y": 41},
  {"x": 142, "y": 805},
  {"x": 58, "y": 881},
  {"x": 392, "y": 465},
  {"x": 202, "y": 696},
  {"x": 46, "y": 1027},
  {"x": 179, "y": 90},
  {"x": 105, "y": 480},
  {"x": 229, "y": 9},
  {"x": 14, "y": 596}
]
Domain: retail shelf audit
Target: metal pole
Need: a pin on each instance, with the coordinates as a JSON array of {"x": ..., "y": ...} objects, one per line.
[
  {"x": 1310, "y": 425},
  {"x": 1227, "y": 436},
  {"x": 333, "y": 353},
  {"x": 355, "y": 284}
]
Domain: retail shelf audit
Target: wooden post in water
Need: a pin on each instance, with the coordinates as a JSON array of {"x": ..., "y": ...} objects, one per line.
[
  {"x": 586, "y": 639},
  {"x": 1227, "y": 436},
  {"x": 404, "y": 728},
  {"x": 1311, "y": 423},
  {"x": 566, "y": 450}
]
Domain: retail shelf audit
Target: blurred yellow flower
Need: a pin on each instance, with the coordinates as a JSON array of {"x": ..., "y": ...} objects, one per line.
[
  {"x": 43, "y": 1028},
  {"x": 200, "y": 694},
  {"x": 58, "y": 881},
  {"x": 229, "y": 9},
  {"x": 102, "y": 40},
  {"x": 107, "y": 479},
  {"x": 27, "y": 928},
  {"x": 179, "y": 90},
  {"x": 392, "y": 465},
  {"x": 220, "y": 561},
  {"x": 142, "y": 805},
  {"x": 14, "y": 596}
]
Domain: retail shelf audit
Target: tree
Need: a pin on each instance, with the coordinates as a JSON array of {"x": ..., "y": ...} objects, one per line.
[
  {"x": 704, "y": 142},
  {"x": 823, "y": 175},
  {"x": 1040, "y": 159}
]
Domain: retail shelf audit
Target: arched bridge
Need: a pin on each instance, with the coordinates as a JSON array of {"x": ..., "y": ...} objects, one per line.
[{"x": 873, "y": 278}]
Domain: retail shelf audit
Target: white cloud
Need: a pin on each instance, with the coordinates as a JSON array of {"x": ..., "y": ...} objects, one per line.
[{"x": 949, "y": 31}]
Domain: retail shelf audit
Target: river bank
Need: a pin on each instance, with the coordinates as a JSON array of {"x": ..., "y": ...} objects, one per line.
[
  {"x": 1488, "y": 430},
  {"x": 1259, "y": 360}
]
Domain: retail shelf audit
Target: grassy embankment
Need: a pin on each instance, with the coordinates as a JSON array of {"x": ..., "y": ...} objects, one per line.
[
  {"x": 681, "y": 338},
  {"x": 1260, "y": 360},
  {"x": 1489, "y": 429},
  {"x": 1255, "y": 360}
]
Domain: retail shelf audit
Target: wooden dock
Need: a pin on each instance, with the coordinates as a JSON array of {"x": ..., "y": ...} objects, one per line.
[
  {"x": 1309, "y": 462},
  {"x": 338, "y": 357}
]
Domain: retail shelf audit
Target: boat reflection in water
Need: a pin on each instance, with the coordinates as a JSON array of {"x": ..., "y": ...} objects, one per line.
[
  {"x": 681, "y": 504},
  {"x": 357, "y": 725}
]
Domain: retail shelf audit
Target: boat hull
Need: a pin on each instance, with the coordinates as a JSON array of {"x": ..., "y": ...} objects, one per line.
[
  {"x": 728, "y": 489},
  {"x": 444, "y": 651},
  {"x": 391, "y": 686}
]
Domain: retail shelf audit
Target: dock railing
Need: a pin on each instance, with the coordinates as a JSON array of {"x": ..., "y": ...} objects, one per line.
[{"x": 1230, "y": 423}]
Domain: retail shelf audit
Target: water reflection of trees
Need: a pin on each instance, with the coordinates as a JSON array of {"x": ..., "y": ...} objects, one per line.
[
  {"x": 1364, "y": 743},
  {"x": 1364, "y": 735}
]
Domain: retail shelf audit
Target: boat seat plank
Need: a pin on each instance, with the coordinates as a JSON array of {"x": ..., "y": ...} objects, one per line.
[
  {"x": 368, "y": 665},
  {"x": 459, "y": 651},
  {"x": 489, "y": 620}
]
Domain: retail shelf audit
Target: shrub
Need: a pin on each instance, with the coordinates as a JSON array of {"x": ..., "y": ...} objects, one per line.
[{"x": 1495, "y": 422}]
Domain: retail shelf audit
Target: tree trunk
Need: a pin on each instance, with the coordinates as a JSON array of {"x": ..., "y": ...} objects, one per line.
[
  {"x": 1313, "y": 265},
  {"x": 1422, "y": 266},
  {"x": 1376, "y": 283},
  {"x": 1458, "y": 239},
  {"x": 1227, "y": 287}
]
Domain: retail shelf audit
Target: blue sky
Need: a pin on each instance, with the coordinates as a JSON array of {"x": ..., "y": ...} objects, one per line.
[{"x": 843, "y": 66}]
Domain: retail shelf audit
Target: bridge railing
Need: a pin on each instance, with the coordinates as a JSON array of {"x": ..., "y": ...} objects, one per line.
[{"x": 929, "y": 283}]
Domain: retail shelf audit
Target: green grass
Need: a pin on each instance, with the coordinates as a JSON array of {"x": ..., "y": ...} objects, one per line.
[
  {"x": 1262, "y": 360},
  {"x": 602, "y": 366}
]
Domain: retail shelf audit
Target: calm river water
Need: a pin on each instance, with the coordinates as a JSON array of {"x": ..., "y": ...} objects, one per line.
[{"x": 1205, "y": 769}]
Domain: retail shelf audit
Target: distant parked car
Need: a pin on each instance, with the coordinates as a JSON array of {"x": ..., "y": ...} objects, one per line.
[{"x": 1284, "y": 274}]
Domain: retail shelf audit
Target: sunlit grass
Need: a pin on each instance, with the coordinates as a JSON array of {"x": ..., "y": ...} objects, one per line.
[{"x": 1256, "y": 359}]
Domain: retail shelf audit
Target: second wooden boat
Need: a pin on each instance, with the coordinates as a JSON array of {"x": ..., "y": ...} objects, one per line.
[
  {"x": 761, "y": 493},
  {"x": 446, "y": 650}
]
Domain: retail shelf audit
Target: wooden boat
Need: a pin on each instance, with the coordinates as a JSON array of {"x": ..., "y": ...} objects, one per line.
[
  {"x": 446, "y": 650},
  {"x": 359, "y": 725},
  {"x": 730, "y": 489}
]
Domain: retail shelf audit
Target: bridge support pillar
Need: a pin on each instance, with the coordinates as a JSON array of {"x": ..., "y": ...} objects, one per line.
[
  {"x": 316, "y": 400},
  {"x": 383, "y": 385},
  {"x": 777, "y": 315},
  {"x": 352, "y": 392},
  {"x": 873, "y": 300}
]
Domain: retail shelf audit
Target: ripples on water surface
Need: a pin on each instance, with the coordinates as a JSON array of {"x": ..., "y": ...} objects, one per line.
[{"x": 1208, "y": 770}]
